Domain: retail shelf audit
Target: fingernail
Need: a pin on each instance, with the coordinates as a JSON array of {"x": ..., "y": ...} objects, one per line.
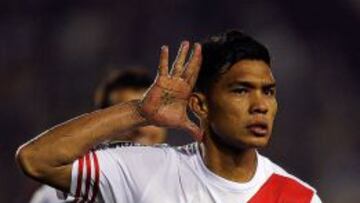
[{"x": 184, "y": 43}]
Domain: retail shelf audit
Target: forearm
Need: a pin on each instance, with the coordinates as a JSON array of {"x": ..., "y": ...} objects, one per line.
[{"x": 64, "y": 143}]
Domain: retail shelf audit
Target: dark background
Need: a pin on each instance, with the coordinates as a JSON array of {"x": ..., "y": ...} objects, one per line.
[{"x": 53, "y": 53}]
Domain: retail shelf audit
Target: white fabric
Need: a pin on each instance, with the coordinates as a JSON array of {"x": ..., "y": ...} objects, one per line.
[
  {"x": 167, "y": 175},
  {"x": 45, "y": 194}
]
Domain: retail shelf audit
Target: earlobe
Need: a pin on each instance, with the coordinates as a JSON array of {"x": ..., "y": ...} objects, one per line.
[{"x": 198, "y": 105}]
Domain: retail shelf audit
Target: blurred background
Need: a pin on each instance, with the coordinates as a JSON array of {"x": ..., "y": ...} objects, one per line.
[{"x": 54, "y": 53}]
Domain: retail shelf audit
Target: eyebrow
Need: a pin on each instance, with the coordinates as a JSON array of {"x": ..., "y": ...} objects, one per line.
[{"x": 251, "y": 84}]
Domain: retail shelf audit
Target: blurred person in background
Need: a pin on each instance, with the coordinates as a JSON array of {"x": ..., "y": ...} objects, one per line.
[
  {"x": 126, "y": 85},
  {"x": 235, "y": 101},
  {"x": 118, "y": 86}
]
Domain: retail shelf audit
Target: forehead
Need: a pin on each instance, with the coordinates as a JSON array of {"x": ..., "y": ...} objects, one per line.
[{"x": 253, "y": 71}]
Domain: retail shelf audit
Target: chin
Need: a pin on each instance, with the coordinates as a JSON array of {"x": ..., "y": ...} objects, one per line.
[
  {"x": 245, "y": 144},
  {"x": 259, "y": 142},
  {"x": 241, "y": 142},
  {"x": 258, "y": 145},
  {"x": 253, "y": 142}
]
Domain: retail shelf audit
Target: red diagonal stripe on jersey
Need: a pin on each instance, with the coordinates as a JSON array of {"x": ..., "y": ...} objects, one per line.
[
  {"x": 96, "y": 185},
  {"x": 282, "y": 189},
  {"x": 79, "y": 178},
  {"x": 88, "y": 176}
]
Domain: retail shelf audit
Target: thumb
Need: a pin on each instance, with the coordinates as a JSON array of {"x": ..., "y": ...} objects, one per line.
[{"x": 194, "y": 130}]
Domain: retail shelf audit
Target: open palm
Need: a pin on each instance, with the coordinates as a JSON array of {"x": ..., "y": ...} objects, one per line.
[{"x": 165, "y": 102}]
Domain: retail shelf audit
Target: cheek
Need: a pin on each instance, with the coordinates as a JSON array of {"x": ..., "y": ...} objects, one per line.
[
  {"x": 272, "y": 112},
  {"x": 273, "y": 108},
  {"x": 226, "y": 115}
]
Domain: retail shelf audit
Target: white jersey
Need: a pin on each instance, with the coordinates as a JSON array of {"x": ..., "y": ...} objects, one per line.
[
  {"x": 45, "y": 194},
  {"x": 144, "y": 174}
]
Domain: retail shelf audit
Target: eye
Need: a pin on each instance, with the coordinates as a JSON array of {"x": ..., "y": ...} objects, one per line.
[
  {"x": 269, "y": 91},
  {"x": 240, "y": 90}
]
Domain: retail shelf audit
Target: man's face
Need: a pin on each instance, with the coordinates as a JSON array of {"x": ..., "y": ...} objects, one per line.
[
  {"x": 242, "y": 105},
  {"x": 145, "y": 135}
]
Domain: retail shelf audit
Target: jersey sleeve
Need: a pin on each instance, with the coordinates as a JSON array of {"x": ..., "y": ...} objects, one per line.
[{"x": 116, "y": 174}]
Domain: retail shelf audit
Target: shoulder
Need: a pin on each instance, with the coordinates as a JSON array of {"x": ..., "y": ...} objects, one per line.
[
  {"x": 131, "y": 154},
  {"x": 126, "y": 145},
  {"x": 122, "y": 166},
  {"x": 133, "y": 158},
  {"x": 286, "y": 183},
  {"x": 125, "y": 148},
  {"x": 279, "y": 171}
]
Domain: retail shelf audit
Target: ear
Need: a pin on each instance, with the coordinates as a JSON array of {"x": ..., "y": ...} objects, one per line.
[{"x": 198, "y": 105}]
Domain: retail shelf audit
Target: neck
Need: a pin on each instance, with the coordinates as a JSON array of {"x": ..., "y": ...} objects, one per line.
[{"x": 233, "y": 164}]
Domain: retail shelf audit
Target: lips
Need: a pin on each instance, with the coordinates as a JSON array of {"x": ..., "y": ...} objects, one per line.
[{"x": 258, "y": 128}]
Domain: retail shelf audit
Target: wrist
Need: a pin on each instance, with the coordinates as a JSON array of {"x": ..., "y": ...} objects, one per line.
[{"x": 137, "y": 114}]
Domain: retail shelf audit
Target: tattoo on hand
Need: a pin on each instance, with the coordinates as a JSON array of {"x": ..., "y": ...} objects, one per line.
[{"x": 167, "y": 98}]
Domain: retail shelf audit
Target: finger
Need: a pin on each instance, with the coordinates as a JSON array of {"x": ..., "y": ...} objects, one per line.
[
  {"x": 193, "y": 67},
  {"x": 178, "y": 65},
  {"x": 194, "y": 130},
  {"x": 164, "y": 61}
]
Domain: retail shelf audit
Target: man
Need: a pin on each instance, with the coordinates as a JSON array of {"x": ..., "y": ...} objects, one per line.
[
  {"x": 118, "y": 86},
  {"x": 235, "y": 102}
]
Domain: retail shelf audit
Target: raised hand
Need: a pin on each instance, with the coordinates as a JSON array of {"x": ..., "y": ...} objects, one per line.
[{"x": 165, "y": 102}]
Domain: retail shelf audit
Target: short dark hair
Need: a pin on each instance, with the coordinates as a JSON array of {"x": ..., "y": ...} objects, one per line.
[
  {"x": 137, "y": 78},
  {"x": 222, "y": 51}
]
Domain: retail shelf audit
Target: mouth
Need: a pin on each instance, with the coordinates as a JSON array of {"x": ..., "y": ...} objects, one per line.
[{"x": 258, "y": 129}]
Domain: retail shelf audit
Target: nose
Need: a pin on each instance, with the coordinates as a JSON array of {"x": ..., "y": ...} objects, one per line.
[{"x": 258, "y": 105}]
